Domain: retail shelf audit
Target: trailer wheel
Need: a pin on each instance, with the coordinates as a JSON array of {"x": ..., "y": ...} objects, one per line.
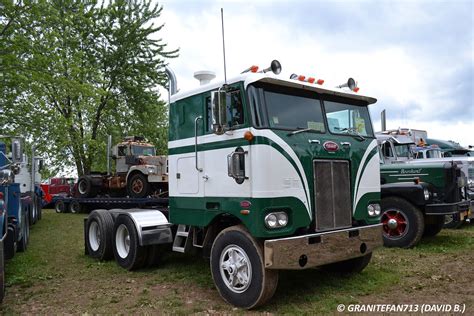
[
  {"x": 238, "y": 270},
  {"x": 2, "y": 274},
  {"x": 75, "y": 207},
  {"x": 25, "y": 239},
  {"x": 59, "y": 206},
  {"x": 127, "y": 251},
  {"x": 138, "y": 186},
  {"x": 98, "y": 234},
  {"x": 403, "y": 223},
  {"x": 85, "y": 188},
  {"x": 452, "y": 221},
  {"x": 433, "y": 225},
  {"x": 350, "y": 266}
]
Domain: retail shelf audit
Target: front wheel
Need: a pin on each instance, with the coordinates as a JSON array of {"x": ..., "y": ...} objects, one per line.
[
  {"x": 138, "y": 186},
  {"x": 403, "y": 223},
  {"x": 238, "y": 270}
]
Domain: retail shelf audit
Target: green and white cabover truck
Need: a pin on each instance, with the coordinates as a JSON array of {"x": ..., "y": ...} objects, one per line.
[{"x": 265, "y": 173}]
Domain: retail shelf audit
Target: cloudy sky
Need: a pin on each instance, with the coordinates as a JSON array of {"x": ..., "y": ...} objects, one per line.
[{"x": 415, "y": 57}]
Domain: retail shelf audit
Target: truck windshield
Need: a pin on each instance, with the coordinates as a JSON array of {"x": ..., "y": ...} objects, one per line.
[
  {"x": 403, "y": 150},
  {"x": 143, "y": 150},
  {"x": 346, "y": 118},
  {"x": 285, "y": 108}
]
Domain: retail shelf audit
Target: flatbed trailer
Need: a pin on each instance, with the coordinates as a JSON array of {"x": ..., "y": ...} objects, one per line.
[{"x": 85, "y": 205}]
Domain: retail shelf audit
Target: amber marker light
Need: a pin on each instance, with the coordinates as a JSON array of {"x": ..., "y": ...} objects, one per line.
[
  {"x": 245, "y": 212},
  {"x": 320, "y": 81},
  {"x": 248, "y": 136}
]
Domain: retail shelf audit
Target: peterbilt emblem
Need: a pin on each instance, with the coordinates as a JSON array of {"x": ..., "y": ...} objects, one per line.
[{"x": 331, "y": 146}]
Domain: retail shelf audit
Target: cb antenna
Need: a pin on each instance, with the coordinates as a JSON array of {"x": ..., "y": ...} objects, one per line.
[{"x": 223, "y": 45}]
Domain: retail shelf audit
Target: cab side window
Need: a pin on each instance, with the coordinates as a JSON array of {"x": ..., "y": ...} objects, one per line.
[
  {"x": 122, "y": 150},
  {"x": 235, "y": 110}
]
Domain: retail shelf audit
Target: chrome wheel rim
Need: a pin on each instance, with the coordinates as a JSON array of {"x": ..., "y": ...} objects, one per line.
[
  {"x": 122, "y": 238},
  {"x": 395, "y": 223},
  {"x": 94, "y": 236},
  {"x": 235, "y": 269}
]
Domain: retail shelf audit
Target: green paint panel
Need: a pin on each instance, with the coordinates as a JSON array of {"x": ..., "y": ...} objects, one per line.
[
  {"x": 433, "y": 173},
  {"x": 361, "y": 211},
  {"x": 201, "y": 212}
]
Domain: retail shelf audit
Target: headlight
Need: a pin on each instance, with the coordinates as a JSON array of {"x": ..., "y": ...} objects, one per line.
[
  {"x": 151, "y": 169},
  {"x": 276, "y": 220},
  {"x": 373, "y": 209},
  {"x": 427, "y": 194}
]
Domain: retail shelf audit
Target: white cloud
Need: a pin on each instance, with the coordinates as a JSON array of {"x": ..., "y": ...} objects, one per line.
[{"x": 412, "y": 82}]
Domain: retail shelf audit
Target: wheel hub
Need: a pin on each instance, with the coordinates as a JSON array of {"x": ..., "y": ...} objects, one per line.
[
  {"x": 392, "y": 223},
  {"x": 235, "y": 268},
  {"x": 395, "y": 223}
]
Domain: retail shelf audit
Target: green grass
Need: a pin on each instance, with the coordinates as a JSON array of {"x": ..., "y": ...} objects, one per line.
[{"x": 54, "y": 276}]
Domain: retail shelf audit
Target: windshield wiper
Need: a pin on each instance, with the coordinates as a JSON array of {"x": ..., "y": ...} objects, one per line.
[
  {"x": 351, "y": 131},
  {"x": 302, "y": 130}
]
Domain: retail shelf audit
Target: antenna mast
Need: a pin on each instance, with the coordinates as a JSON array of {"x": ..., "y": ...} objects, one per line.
[{"x": 223, "y": 45}]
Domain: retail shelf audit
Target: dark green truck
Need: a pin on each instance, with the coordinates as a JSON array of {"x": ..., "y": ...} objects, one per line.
[{"x": 416, "y": 198}]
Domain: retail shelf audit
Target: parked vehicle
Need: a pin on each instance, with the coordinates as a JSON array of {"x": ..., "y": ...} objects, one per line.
[
  {"x": 138, "y": 172},
  {"x": 56, "y": 187},
  {"x": 416, "y": 199},
  {"x": 14, "y": 210},
  {"x": 258, "y": 188}
]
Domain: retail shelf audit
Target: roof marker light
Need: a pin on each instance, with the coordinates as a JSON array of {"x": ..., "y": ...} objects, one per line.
[
  {"x": 251, "y": 69},
  {"x": 311, "y": 80},
  {"x": 320, "y": 81},
  {"x": 301, "y": 78}
]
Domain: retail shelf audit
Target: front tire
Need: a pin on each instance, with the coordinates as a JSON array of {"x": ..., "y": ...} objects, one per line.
[
  {"x": 238, "y": 270},
  {"x": 98, "y": 234},
  {"x": 403, "y": 223},
  {"x": 127, "y": 251},
  {"x": 138, "y": 186}
]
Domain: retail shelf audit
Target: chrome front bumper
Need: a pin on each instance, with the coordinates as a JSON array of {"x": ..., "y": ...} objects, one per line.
[{"x": 314, "y": 250}]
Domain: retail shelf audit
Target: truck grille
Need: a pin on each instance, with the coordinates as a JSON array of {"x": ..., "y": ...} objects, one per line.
[{"x": 332, "y": 192}]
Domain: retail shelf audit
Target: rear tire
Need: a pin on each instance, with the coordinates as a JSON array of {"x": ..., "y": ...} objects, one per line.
[
  {"x": 433, "y": 225},
  {"x": 59, "y": 206},
  {"x": 350, "y": 266},
  {"x": 33, "y": 213},
  {"x": 98, "y": 234},
  {"x": 238, "y": 270},
  {"x": 39, "y": 206},
  {"x": 85, "y": 188},
  {"x": 127, "y": 251},
  {"x": 403, "y": 223},
  {"x": 75, "y": 207}
]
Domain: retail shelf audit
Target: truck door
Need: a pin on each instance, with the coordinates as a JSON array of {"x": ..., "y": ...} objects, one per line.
[{"x": 221, "y": 149}]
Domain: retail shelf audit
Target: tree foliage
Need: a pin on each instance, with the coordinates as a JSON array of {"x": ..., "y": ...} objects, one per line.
[{"x": 73, "y": 72}]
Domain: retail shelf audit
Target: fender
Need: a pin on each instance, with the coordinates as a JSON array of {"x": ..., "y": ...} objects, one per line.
[
  {"x": 409, "y": 191},
  {"x": 152, "y": 225}
]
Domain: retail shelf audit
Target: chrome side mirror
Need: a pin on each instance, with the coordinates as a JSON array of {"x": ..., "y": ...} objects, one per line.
[
  {"x": 219, "y": 111},
  {"x": 236, "y": 165}
]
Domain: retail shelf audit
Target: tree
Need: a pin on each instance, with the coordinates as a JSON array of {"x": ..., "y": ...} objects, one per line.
[{"x": 73, "y": 72}]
